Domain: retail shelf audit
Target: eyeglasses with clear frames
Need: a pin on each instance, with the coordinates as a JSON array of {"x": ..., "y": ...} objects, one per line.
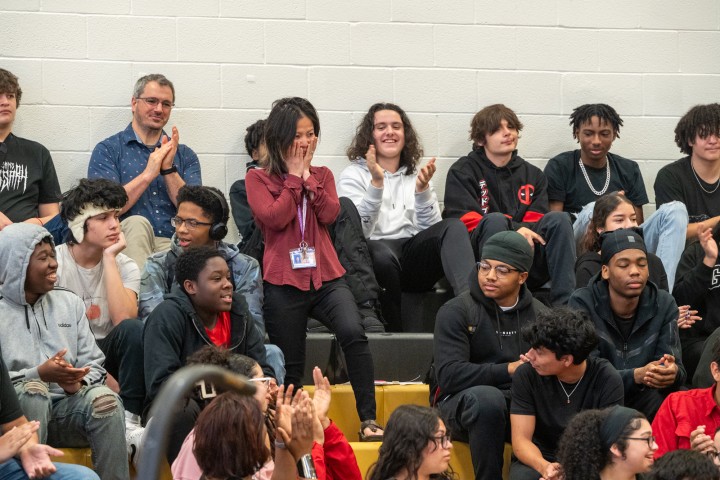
[
  {"x": 153, "y": 102},
  {"x": 190, "y": 223},
  {"x": 443, "y": 441},
  {"x": 649, "y": 440},
  {"x": 500, "y": 270},
  {"x": 264, "y": 380}
]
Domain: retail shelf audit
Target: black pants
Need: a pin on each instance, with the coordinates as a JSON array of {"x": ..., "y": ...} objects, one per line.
[
  {"x": 286, "y": 311},
  {"x": 553, "y": 261},
  {"x": 183, "y": 421},
  {"x": 123, "y": 349},
  {"x": 414, "y": 264},
  {"x": 479, "y": 416}
]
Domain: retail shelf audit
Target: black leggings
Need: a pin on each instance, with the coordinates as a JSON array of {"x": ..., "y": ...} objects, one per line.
[{"x": 286, "y": 312}]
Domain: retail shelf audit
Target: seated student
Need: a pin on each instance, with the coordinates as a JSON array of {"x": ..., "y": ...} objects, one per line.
[
  {"x": 684, "y": 465},
  {"x": 201, "y": 220},
  {"x": 332, "y": 451},
  {"x": 636, "y": 321},
  {"x": 345, "y": 233},
  {"x": 29, "y": 187},
  {"x": 572, "y": 177},
  {"x": 615, "y": 443},
  {"x": 493, "y": 189},
  {"x": 293, "y": 203},
  {"x": 473, "y": 372},
  {"x": 22, "y": 456},
  {"x": 611, "y": 212},
  {"x": 201, "y": 309},
  {"x": 696, "y": 285},
  {"x": 558, "y": 381},
  {"x": 689, "y": 419},
  {"x": 51, "y": 355},
  {"x": 91, "y": 265},
  {"x": 411, "y": 246}
]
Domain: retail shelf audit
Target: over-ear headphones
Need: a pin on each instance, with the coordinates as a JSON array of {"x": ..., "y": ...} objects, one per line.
[{"x": 219, "y": 230}]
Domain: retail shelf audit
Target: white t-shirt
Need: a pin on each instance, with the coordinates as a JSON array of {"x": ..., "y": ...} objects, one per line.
[{"x": 89, "y": 285}]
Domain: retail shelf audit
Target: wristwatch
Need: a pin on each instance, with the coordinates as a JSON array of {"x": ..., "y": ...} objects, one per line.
[
  {"x": 306, "y": 467},
  {"x": 168, "y": 171}
]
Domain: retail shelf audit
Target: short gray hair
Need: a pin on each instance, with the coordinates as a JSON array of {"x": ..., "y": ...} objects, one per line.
[{"x": 153, "y": 77}]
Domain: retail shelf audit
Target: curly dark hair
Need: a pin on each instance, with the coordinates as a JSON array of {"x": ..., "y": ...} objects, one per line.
[
  {"x": 700, "y": 120},
  {"x": 191, "y": 262},
  {"x": 209, "y": 203},
  {"x": 684, "y": 465},
  {"x": 604, "y": 206},
  {"x": 584, "y": 113},
  {"x": 407, "y": 433},
  {"x": 563, "y": 331},
  {"x": 580, "y": 449},
  {"x": 237, "y": 420},
  {"x": 280, "y": 129},
  {"x": 487, "y": 121},
  {"x": 9, "y": 84},
  {"x": 411, "y": 153},
  {"x": 98, "y": 192},
  {"x": 254, "y": 136}
]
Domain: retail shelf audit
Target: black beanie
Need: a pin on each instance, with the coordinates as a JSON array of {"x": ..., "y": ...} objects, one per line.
[
  {"x": 509, "y": 247},
  {"x": 616, "y": 241}
]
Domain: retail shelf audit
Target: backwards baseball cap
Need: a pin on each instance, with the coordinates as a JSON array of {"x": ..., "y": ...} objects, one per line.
[
  {"x": 612, "y": 243},
  {"x": 509, "y": 247}
]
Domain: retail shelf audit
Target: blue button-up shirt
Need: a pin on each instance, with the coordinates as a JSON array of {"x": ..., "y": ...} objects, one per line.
[{"x": 123, "y": 157}]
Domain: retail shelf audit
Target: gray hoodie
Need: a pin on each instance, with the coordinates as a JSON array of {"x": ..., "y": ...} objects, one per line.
[{"x": 31, "y": 334}]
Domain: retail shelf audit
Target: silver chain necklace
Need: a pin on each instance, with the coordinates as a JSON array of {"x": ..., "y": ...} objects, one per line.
[
  {"x": 700, "y": 183},
  {"x": 568, "y": 395},
  {"x": 607, "y": 177}
]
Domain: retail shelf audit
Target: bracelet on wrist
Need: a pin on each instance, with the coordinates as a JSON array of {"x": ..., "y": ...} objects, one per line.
[{"x": 281, "y": 445}]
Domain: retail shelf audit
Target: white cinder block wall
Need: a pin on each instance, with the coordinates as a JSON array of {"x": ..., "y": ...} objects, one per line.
[{"x": 229, "y": 59}]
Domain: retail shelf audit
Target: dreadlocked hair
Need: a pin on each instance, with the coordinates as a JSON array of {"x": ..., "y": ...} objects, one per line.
[
  {"x": 605, "y": 113},
  {"x": 701, "y": 121}
]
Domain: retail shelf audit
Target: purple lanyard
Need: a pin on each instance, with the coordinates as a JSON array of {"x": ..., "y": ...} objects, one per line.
[{"x": 301, "y": 221}]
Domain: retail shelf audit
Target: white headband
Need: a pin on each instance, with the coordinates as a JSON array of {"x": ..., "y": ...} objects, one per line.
[{"x": 77, "y": 224}]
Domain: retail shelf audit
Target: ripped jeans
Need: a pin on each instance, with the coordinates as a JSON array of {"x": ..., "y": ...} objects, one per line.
[{"x": 93, "y": 417}]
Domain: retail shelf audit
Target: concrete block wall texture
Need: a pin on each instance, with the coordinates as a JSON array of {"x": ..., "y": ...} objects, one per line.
[{"x": 441, "y": 61}]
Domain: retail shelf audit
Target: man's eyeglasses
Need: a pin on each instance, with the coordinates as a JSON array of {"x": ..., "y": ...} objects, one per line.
[
  {"x": 443, "y": 441},
  {"x": 264, "y": 380},
  {"x": 500, "y": 270},
  {"x": 190, "y": 223},
  {"x": 153, "y": 102},
  {"x": 649, "y": 440}
]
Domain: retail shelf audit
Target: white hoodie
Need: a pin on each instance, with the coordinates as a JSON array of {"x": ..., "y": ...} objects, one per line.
[{"x": 394, "y": 211}]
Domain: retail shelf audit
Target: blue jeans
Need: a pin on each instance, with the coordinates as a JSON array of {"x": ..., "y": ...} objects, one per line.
[
  {"x": 13, "y": 470},
  {"x": 663, "y": 231},
  {"x": 93, "y": 416}
]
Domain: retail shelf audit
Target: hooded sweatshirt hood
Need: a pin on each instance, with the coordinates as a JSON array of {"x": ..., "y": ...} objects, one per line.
[{"x": 17, "y": 244}]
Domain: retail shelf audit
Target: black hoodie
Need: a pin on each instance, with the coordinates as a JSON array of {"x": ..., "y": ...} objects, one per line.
[
  {"x": 474, "y": 187},
  {"x": 173, "y": 331},
  {"x": 463, "y": 360}
]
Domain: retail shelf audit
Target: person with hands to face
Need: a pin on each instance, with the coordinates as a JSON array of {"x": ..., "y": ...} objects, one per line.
[
  {"x": 92, "y": 265},
  {"x": 151, "y": 165},
  {"x": 637, "y": 320},
  {"x": 59, "y": 381},
  {"x": 493, "y": 189},
  {"x": 478, "y": 346},
  {"x": 411, "y": 246},
  {"x": 558, "y": 381},
  {"x": 293, "y": 203}
]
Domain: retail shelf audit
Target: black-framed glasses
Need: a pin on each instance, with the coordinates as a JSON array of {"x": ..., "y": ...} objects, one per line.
[
  {"x": 443, "y": 441},
  {"x": 649, "y": 440},
  {"x": 190, "y": 223},
  {"x": 500, "y": 270},
  {"x": 154, "y": 102}
]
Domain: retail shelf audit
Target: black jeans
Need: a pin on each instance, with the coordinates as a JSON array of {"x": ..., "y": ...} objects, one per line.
[
  {"x": 479, "y": 416},
  {"x": 123, "y": 349},
  {"x": 286, "y": 311},
  {"x": 555, "y": 260},
  {"x": 414, "y": 264}
]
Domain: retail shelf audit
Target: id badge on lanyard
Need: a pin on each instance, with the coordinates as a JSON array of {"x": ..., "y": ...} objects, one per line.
[{"x": 304, "y": 256}]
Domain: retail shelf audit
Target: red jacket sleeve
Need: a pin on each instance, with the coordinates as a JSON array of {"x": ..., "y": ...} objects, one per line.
[
  {"x": 339, "y": 456},
  {"x": 275, "y": 213},
  {"x": 319, "y": 461},
  {"x": 325, "y": 202},
  {"x": 663, "y": 428}
]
